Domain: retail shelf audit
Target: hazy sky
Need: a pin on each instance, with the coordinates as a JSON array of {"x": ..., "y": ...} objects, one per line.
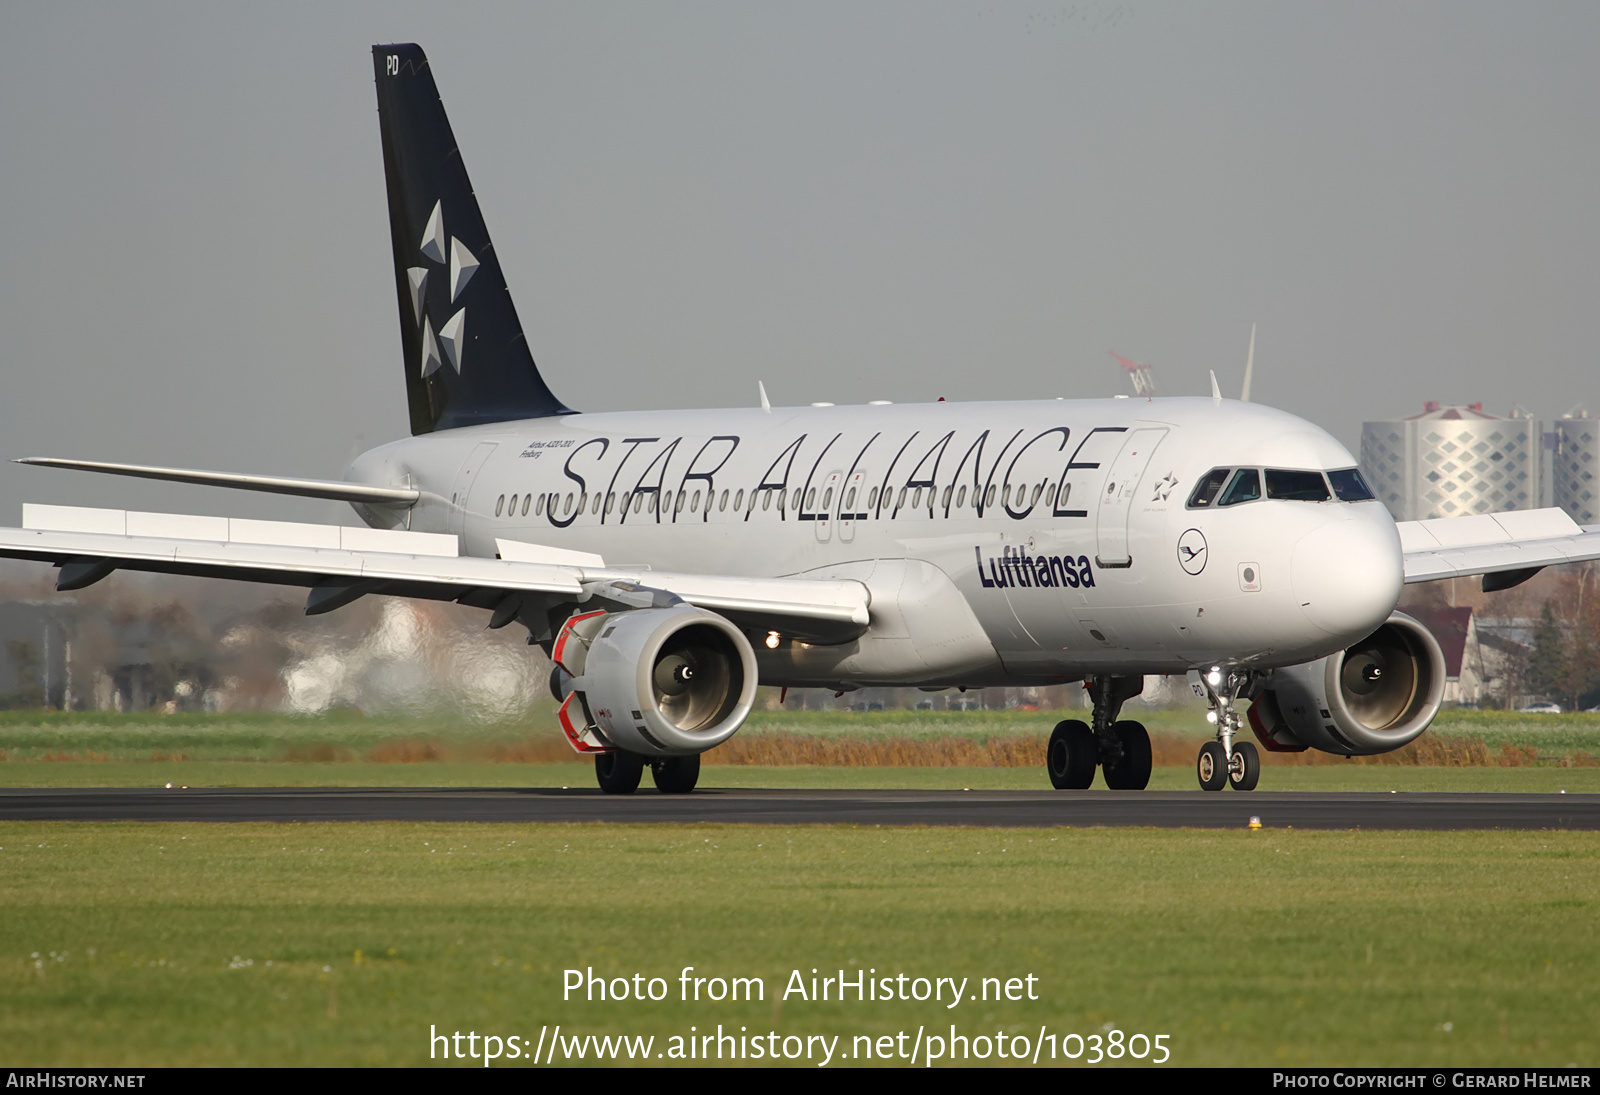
[{"x": 848, "y": 201}]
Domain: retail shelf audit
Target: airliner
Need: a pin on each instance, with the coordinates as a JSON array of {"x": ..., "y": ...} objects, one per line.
[{"x": 670, "y": 561}]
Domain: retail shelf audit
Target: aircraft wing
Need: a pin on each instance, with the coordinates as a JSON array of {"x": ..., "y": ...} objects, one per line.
[
  {"x": 341, "y": 564},
  {"x": 1506, "y": 548}
]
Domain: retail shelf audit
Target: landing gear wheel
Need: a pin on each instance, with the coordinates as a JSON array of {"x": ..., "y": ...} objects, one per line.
[
  {"x": 1132, "y": 772},
  {"x": 1071, "y": 757},
  {"x": 619, "y": 771},
  {"x": 675, "y": 775},
  {"x": 1244, "y": 767},
  {"x": 1212, "y": 767}
]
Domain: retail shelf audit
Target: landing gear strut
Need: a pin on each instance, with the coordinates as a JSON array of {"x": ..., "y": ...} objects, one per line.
[
  {"x": 1225, "y": 761},
  {"x": 1121, "y": 748}
]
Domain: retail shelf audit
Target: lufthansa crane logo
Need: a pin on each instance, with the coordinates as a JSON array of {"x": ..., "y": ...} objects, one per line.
[{"x": 1192, "y": 551}]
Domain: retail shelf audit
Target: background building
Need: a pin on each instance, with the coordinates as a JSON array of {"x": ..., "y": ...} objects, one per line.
[
  {"x": 1574, "y": 463},
  {"x": 1450, "y": 461}
]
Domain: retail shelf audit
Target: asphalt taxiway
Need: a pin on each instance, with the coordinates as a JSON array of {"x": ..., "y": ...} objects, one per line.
[{"x": 1157, "y": 809}]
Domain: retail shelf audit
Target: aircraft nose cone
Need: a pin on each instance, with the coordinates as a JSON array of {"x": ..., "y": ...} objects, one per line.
[{"x": 1348, "y": 575}]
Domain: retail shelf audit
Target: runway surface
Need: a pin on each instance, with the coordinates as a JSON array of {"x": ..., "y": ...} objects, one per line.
[{"x": 1159, "y": 809}]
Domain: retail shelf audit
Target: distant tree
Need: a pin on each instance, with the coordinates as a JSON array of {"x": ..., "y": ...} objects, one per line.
[
  {"x": 1548, "y": 664},
  {"x": 26, "y": 664},
  {"x": 1583, "y": 662}
]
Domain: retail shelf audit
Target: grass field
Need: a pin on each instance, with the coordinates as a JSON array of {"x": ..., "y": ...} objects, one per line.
[
  {"x": 223, "y": 773},
  {"x": 342, "y": 944},
  {"x": 908, "y": 738},
  {"x": 163, "y": 944},
  {"x": 1476, "y": 751}
]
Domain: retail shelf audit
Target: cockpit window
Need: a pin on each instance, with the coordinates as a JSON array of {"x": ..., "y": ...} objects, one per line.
[
  {"x": 1296, "y": 486},
  {"x": 1349, "y": 486},
  {"x": 1206, "y": 492},
  {"x": 1246, "y": 487}
]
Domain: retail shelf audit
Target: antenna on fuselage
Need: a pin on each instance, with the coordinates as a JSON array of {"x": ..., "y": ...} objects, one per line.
[
  {"x": 1249, "y": 366},
  {"x": 766, "y": 404},
  {"x": 1216, "y": 392}
]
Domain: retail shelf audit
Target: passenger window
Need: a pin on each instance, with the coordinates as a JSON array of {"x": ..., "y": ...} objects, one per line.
[
  {"x": 1348, "y": 486},
  {"x": 1297, "y": 486},
  {"x": 961, "y": 498},
  {"x": 500, "y": 504},
  {"x": 1206, "y": 492},
  {"x": 1246, "y": 487},
  {"x": 526, "y": 498}
]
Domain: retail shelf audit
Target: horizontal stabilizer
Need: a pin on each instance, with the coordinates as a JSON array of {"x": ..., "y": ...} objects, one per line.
[{"x": 333, "y": 489}]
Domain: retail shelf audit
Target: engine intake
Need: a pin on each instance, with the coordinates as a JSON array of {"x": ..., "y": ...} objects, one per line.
[
  {"x": 1374, "y": 697},
  {"x": 659, "y": 681}
]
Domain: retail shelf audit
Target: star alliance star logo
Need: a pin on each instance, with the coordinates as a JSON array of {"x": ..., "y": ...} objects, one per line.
[
  {"x": 1164, "y": 487},
  {"x": 463, "y": 264}
]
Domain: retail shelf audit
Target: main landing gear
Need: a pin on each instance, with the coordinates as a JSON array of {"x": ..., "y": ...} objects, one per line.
[
  {"x": 1225, "y": 761},
  {"x": 619, "y": 772},
  {"x": 1119, "y": 747}
]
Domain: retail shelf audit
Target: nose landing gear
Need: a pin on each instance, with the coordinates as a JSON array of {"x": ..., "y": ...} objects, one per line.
[{"x": 1225, "y": 762}]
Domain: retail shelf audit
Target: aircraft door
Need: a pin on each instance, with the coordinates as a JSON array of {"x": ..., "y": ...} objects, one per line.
[
  {"x": 466, "y": 477},
  {"x": 852, "y": 502},
  {"x": 1117, "y": 496}
]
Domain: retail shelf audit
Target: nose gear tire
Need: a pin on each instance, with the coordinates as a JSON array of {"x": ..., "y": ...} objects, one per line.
[
  {"x": 1212, "y": 766},
  {"x": 1244, "y": 767}
]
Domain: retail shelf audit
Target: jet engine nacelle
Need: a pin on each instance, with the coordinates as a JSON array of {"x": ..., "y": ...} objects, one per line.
[
  {"x": 1374, "y": 697},
  {"x": 658, "y": 681}
]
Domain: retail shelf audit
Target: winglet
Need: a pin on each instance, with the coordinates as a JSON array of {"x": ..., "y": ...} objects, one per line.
[
  {"x": 766, "y": 404},
  {"x": 1216, "y": 392}
]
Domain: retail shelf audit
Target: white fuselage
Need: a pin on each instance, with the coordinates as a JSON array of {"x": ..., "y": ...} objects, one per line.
[{"x": 1063, "y": 526}]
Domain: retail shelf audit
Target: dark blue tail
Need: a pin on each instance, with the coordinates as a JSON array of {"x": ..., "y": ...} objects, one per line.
[{"x": 466, "y": 359}]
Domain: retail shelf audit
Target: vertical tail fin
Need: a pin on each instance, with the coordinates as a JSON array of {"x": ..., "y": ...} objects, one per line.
[{"x": 466, "y": 359}]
